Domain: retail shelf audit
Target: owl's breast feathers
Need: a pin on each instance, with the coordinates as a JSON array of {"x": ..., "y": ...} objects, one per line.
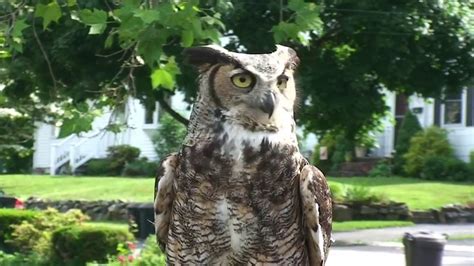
[{"x": 236, "y": 199}]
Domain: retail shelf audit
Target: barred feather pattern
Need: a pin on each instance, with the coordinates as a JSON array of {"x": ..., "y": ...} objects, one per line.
[{"x": 237, "y": 209}]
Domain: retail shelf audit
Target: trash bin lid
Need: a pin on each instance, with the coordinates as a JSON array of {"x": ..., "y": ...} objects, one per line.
[{"x": 426, "y": 236}]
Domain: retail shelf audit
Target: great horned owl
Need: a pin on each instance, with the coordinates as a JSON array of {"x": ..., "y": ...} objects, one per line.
[{"x": 239, "y": 191}]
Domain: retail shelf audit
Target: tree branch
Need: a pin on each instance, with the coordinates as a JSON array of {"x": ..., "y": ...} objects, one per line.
[
  {"x": 170, "y": 110},
  {"x": 46, "y": 58}
]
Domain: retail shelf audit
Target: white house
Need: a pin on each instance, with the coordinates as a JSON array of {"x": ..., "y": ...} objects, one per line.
[
  {"x": 51, "y": 153},
  {"x": 455, "y": 114}
]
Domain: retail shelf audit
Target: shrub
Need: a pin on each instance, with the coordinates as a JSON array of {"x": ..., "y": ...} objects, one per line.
[
  {"x": 78, "y": 245},
  {"x": 98, "y": 167},
  {"x": 337, "y": 192},
  {"x": 433, "y": 141},
  {"x": 445, "y": 168},
  {"x": 9, "y": 217},
  {"x": 22, "y": 260},
  {"x": 169, "y": 136},
  {"x": 336, "y": 153},
  {"x": 140, "y": 167},
  {"x": 34, "y": 236},
  {"x": 151, "y": 254},
  {"x": 119, "y": 156},
  {"x": 409, "y": 127},
  {"x": 363, "y": 195},
  {"x": 382, "y": 169},
  {"x": 471, "y": 160}
]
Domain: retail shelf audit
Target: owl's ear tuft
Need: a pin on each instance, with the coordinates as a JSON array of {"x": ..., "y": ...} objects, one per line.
[
  {"x": 207, "y": 55},
  {"x": 294, "y": 60}
]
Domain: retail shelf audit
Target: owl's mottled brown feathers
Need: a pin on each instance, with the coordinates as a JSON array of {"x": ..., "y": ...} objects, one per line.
[{"x": 239, "y": 191}]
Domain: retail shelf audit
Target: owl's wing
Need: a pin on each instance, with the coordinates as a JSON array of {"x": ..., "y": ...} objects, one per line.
[
  {"x": 317, "y": 213},
  {"x": 164, "y": 196}
]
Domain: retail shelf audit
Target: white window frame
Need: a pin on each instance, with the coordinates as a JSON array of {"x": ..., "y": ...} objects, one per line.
[{"x": 463, "y": 112}]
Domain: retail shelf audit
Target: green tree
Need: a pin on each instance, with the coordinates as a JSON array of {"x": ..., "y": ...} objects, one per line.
[
  {"x": 169, "y": 136},
  {"x": 352, "y": 52},
  {"x": 409, "y": 127}
]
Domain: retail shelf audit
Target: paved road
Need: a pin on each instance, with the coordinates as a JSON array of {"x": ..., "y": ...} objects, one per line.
[
  {"x": 456, "y": 253},
  {"x": 378, "y": 250},
  {"x": 396, "y": 233}
]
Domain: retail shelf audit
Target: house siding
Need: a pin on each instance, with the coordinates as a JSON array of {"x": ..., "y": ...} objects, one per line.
[{"x": 44, "y": 138}]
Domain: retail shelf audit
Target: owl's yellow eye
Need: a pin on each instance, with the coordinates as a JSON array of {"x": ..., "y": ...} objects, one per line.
[{"x": 242, "y": 80}]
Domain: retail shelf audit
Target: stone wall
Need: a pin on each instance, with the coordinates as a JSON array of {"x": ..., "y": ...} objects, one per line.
[
  {"x": 118, "y": 210},
  {"x": 371, "y": 211},
  {"x": 445, "y": 215},
  {"x": 96, "y": 210}
]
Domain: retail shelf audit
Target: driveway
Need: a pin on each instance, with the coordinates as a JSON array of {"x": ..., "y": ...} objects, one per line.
[{"x": 377, "y": 247}]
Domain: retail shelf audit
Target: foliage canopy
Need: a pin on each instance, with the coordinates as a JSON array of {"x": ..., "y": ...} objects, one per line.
[{"x": 58, "y": 54}]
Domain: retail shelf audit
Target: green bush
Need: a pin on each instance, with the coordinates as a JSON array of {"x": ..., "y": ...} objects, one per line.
[
  {"x": 336, "y": 153},
  {"x": 382, "y": 169},
  {"x": 433, "y": 141},
  {"x": 446, "y": 168},
  {"x": 77, "y": 245},
  {"x": 18, "y": 259},
  {"x": 363, "y": 195},
  {"x": 409, "y": 127},
  {"x": 169, "y": 136},
  {"x": 119, "y": 156},
  {"x": 98, "y": 167},
  {"x": 471, "y": 160},
  {"x": 140, "y": 167},
  {"x": 151, "y": 254},
  {"x": 9, "y": 217},
  {"x": 337, "y": 192},
  {"x": 34, "y": 236}
]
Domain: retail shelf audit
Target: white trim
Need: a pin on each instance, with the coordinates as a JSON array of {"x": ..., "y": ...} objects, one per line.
[{"x": 463, "y": 112}]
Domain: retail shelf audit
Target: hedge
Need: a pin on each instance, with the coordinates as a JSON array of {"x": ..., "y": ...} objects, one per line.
[
  {"x": 77, "y": 245},
  {"x": 10, "y": 217}
]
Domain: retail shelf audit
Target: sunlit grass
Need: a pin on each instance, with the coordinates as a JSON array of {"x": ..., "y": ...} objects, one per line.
[
  {"x": 418, "y": 194},
  {"x": 359, "y": 225}
]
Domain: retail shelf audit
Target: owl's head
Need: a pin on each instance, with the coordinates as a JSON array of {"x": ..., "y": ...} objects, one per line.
[{"x": 256, "y": 88}]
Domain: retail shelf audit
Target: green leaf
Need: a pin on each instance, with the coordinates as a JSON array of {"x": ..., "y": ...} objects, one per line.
[
  {"x": 187, "y": 38},
  {"x": 19, "y": 26},
  {"x": 161, "y": 77},
  {"x": 50, "y": 12},
  {"x": 71, "y": 3},
  {"x": 147, "y": 16},
  {"x": 93, "y": 17},
  {"x": 97, "y": 28}
]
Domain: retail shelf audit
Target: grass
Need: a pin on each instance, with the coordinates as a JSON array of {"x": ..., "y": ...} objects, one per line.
[
  {"x": 87, "y": 188},
  {"x": 360, "y": 225},
  {"x": 418, "y": 194},
  {"x": 461, "y": 237},
  {"x": 115, "y": 225}
]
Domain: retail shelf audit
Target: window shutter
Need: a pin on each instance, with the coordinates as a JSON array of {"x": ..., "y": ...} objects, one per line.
[
  {"x": 437, "y": 112},
  {"x": 470, "y": 108}
]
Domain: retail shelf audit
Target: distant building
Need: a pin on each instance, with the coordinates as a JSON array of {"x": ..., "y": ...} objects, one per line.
[{"x": 455, "y": 114}]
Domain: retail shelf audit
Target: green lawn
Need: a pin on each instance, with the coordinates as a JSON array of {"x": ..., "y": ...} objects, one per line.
[
  {"x": 418, "y": 194},
  {"x": 69, "y": 187},
  {"x": 359, "y": 225}
]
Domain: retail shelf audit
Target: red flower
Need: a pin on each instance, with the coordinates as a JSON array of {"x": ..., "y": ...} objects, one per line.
[
  {"x": 131, "y": 245},
  {"x": 130, "y": 258},
  {"x": 121, "y": 258}
]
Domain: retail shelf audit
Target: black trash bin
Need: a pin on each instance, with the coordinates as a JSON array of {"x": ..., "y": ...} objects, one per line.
[
  {"x": 142, "y": 216},
  {"x": 424, "y": 248}
]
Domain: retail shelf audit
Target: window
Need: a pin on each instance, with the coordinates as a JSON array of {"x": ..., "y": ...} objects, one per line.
[
  {"x": 150, "y": 113},
  {"x": 453, "y": 109}
]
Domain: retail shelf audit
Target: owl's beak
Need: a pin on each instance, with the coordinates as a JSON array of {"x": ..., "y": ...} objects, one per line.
[{"x": 268, "y": 103}]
